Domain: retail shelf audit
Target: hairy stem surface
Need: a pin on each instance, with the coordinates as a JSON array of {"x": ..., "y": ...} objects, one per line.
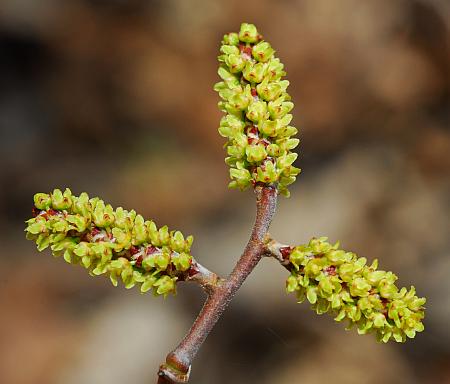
[{"x": 178, "y": 362}]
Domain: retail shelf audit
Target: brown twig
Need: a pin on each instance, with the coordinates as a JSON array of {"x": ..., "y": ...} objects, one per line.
[{"x": 178, "y": 362}]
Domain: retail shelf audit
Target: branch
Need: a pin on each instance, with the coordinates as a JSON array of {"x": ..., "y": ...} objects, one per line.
[
  {"x": 199, "y": 274},
  {"x": 178, "y": 362}
]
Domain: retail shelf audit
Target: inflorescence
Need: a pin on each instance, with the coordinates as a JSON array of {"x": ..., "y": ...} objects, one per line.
[
  {"x": 341, "y": 283},
  {"x": 88, "y": 232},
  {"x": 257, "y": 108}
]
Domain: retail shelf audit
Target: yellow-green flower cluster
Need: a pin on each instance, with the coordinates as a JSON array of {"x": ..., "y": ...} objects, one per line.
[
  {"x": 257, "y": 108},
  {"x": 341, "y": 283},
  {"x": 88, "y": 232}
]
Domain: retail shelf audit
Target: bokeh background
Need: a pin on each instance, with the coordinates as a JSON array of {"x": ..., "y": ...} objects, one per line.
[{"x": 115, "y": 98}]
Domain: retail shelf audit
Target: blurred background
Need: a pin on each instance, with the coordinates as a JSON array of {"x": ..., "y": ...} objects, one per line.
[{"x": 115, "y": 98}]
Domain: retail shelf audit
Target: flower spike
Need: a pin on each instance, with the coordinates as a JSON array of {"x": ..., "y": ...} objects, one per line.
[
  {"x": 256, "y": 106},
  {"x": 88, "y": 232},
  {"x": 341, "y": 283}
]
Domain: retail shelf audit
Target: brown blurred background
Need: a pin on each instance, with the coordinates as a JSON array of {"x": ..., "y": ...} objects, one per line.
[{"x": 115, "y": 98}]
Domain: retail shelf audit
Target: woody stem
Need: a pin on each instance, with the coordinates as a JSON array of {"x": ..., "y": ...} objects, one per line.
[{"x": 178, "y": 362}]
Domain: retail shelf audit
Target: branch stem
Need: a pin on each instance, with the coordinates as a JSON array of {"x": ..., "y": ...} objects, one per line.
[
  {"x": 178, "y": 362},
  {"x": 207, "y": 279}
]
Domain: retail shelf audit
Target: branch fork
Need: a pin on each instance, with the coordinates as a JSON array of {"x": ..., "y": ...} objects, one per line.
[{"x": 220, "y": 292}]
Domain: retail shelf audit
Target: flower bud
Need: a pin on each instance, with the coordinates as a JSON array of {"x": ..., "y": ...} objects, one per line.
[
  {"x": 226, "y": 75},
  {"x": 61, "y": 244},
  {"x": 313, "y": 268},
  {"x": 82, "y": 249},
  {"x": 286, "y": 131},
  {"x": 378, "y": 320},
  {"x": 286, "y": 160},
  {"x": 162, "y": 260},
  {"x": 273, "y": 150},
  {"x": 325, "y": 287},
  {"x": 275, "y": 69},
  {"x": 149, "y": 262},
  {"x": 163, "y": 236},
  {"x": 82, "y": 205},
  {"x": 292, "y": 284},
  {"x": 42, "y": 242},
  {"x": 79, "y": 223},
  {"x": 387, "y": 289},
  {"x": 122, "y": 238},
  {"x": 148, "y": 283},
  {"x": 248, "y": 33},
  {"x": 287, "y": 144},
  {"x": 296, "y": 257},
  {"x": 235, "y": 62},
  {"x": 236, "y": 151},
  {"x": 267, "y": 173},
  {"x": 121, "y": 218},
  {"x": 255, "y": 153},
  {"x": 262, "y": 51},
  {"x": 337, "y": 257},
  {"x": 254, "y": 72},
  {"x": 268, "y": 127},
  {"x": 311, "y": 294},
  {"x": 231, "y": 39},
  {"x": 268, "y": 91},
  {"x": 181, "y": 261},
  {"x": 375, "y": 277},
  {"x": 152, "y": 231},
  {"x": 360, "y": 287},
  {"x": 229, "y": 50},
  {"x": 42, "y": 201},
  {"x": 139, "y": 233},
  {"x": 165, "y": 285},
  {"x": 238, "y": 102},
  {"x": 257, "y": 111},
  {"x": 364, "y": 304},
  {"x": 177, "y": 241},
  {"x": 416, "y": 303},
  {"x": 279, "y": 108},
  {"x": 36, "y": 227},
  {"x": 241, "y": 177},
  {"x": 61, "y": 201}
]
